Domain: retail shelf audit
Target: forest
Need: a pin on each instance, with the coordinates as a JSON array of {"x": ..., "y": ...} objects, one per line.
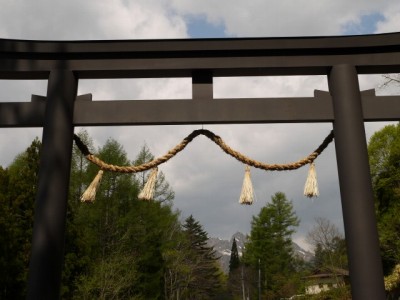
[{"x": 120, "y": 247}]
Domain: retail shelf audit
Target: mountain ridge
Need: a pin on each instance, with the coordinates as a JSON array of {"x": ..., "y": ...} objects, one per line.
[{"x": 223, "y": 248}]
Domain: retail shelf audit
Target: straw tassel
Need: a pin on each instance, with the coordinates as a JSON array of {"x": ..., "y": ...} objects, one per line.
[
  {"x": 311, "y": 186},
  {"x": 247, "y": 194},
  {"x": 90, "y": 194},
  {"x": 149, "y": 188}
]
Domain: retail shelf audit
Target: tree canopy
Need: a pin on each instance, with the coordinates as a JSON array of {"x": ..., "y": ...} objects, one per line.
[
  {"x": 269, "y": 247},
  {"x": 17, "y": 198},
  {"x": 384, "y": 158},
  {"x": 204, "y": 277},
  {"x": 117, "y": 247},
  {"x": 329, "y": 245}
]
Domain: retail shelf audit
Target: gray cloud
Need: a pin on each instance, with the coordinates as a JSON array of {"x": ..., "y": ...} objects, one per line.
[{"x": 207, "y": 183}]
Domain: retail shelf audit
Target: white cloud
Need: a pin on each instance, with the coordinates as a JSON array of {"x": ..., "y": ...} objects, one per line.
[
  {"x": 282, "y": 18},
  {"x": 137, "y": 89},
  {"x": 391, "y": 22},
  {"x": 81, "y": 20},
  {"x": 271, "y": 86},
  {"x": 207, "y": 182}
]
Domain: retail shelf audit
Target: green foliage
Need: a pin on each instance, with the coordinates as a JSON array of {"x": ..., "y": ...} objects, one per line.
[
  {"x": 104, "y": 226},
  {"x": 177, "y": 263},
  {"x": 384, "y": 157},
  {"x": 203, "y": 281},
  {"x": 336, "y": 256},
  {"x": 236, "y": 272},
  {"x": 117, "y": 247},
  {"x": 339, "y": 293},
  {"x": 269, "y": 248},
  {"x": 329, "y": 245},
  {"x": 17, "y": 197},
  {"x": 234, "y": 261},
  {"x": 129, "y": 249},
  {"x": 135, "y": 251},
  {"x": 79, "y": 164},
  {"x": 76, "y": 257}
]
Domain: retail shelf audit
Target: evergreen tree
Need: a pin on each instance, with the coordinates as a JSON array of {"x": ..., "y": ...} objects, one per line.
[
  {"x": 269, "y": 247},
  {"x": 18, "y": 191},
  {"x": 102, "y": 228},
  {"x": 76, "y": 257},
  {"x": 116, "y": 248},
  {"x": 234, "y": 260},
  {"x": 236, "y": 273},
  {"x": 203, "y": 281},
  {"x": 129, "y": 242}
]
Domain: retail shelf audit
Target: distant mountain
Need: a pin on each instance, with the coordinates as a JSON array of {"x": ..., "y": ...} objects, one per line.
[
  {"x": 301, "y": 253},
  {"x": 223, "y": 249}
]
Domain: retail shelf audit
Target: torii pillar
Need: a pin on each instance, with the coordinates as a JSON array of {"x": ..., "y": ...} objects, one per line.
[
  {"x": 47, "y": 255},
  {"x": 365, "y": 266}
]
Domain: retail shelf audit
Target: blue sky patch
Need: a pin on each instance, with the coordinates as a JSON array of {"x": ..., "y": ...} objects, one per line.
[
  {"x": 198, "y": 27},
  {"x": 367, "y": 25}
]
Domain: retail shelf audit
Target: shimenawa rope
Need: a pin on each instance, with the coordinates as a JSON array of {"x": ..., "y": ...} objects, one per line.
[
  {"x": 216, "y": 139},
  {"x": 247, "y": 194}
]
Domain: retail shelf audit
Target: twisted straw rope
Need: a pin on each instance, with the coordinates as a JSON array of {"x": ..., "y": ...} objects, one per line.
[{"x": 216, "y": 139}]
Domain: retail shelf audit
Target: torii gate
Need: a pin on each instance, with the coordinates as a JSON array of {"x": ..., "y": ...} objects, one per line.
[{"x": 64, "y": 63}]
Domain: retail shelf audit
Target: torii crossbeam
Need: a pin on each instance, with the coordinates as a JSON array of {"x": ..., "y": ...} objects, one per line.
[{"x": 64, "y": 63}]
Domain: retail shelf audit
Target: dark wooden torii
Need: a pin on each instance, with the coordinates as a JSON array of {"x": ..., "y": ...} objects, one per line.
[{"x": 63, "y": 63}]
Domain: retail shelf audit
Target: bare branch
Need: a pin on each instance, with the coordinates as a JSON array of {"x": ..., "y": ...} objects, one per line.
[{"x": 323, "y": 233}]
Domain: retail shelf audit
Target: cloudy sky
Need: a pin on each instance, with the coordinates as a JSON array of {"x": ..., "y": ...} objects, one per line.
[{"x": 206, "y": 182}]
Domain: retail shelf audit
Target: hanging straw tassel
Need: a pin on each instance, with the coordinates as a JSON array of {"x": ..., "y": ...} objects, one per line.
[
  {"x": 311, "y": 186},
  {"x": 247, "y": 194},
  {"x": 149, "y": 188},
  {"x": 90, "y": 194}
]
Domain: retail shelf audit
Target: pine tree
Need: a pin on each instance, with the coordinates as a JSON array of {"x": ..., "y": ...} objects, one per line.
[
  {"x": 270, "y": 245},
  {"x": 236, "y": 271},
  {"x": 203, "y": 282},
  {"x": 234, "y": 261}
]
